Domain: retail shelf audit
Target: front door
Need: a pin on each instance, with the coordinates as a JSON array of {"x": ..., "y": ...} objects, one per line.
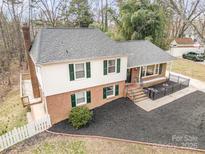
[{"x": 129, "y": 75}]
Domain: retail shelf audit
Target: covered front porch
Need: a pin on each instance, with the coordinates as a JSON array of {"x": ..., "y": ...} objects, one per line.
[{"x": 147, "y": 75}]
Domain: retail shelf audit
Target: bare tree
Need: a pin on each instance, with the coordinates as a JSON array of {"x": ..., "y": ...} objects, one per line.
[
  {"x": 15, "y": 9},
  {"x": 50, "y": 10},
  {"x": 183, "y": 14}
]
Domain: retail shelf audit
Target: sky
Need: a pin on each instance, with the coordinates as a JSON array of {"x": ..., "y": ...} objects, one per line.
[{"x": 25, "y": 8}]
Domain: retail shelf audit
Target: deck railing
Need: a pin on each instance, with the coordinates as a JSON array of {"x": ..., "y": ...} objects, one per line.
[
  {"x": 25, "y": 99},
  {"x": 178, "y": 83}
]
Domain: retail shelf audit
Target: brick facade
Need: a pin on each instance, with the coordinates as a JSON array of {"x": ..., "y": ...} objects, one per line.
[
  {"x": 134, "y": 75},
  {"x": 59, "y": 106},
  {"x": 34, "y": 80}
]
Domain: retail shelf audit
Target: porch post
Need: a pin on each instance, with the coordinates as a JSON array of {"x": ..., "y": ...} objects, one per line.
[
  {"x": 170, "y": 67},
  {"x": 140, "y": 75}
]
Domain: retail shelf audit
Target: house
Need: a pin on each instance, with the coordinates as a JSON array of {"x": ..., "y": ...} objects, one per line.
[
  {"x": 179, "y": 46},
  {"x": 191, "y": 32},
  {"x": 70, "y": 67}
]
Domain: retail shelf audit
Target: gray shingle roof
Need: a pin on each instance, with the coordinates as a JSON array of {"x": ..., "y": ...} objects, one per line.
[
  {"x": 59, "y": 44},
  {"x": 143, "y": 52}
]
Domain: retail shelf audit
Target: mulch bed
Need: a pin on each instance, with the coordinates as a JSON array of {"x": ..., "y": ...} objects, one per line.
[{"x": 180, "y": 123}]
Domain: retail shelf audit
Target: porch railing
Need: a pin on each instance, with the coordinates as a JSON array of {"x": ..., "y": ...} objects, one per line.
[
  {"x": 178, "y": 83},
  {"x": 26, "y": 101}
]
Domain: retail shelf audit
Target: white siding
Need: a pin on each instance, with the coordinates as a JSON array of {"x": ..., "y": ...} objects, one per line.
[{"x": 55, "y": 77}]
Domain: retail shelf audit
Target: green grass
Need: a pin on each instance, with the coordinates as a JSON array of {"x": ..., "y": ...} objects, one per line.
[
  {"x": 72, "y": 145},
  {"x": 189, "y": 68},
  {"x": 12, "y": 113}
]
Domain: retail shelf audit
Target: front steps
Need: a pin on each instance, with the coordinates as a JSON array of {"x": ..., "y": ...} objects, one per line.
[{"x": 136, "y": 93}]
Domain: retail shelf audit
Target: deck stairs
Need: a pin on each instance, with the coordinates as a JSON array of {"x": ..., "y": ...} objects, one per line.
[{"x": 136, "y": 93}]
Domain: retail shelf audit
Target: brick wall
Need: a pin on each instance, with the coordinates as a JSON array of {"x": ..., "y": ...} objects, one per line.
[
  {"x": 134, "y": 74},
  {"x": 34, "y": 80},
  {"x": 59, "y": 106}
]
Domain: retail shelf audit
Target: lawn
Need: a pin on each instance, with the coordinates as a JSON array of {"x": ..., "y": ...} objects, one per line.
[
  {"x": 189, "y": 68},
  {"x": 52, "y": 144},
  {"x": 12, "y": 113}
]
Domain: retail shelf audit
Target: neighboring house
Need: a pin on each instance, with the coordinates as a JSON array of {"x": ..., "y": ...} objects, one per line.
[
  {"x": 81, "y": 66},
  {"x": 179, "y": 46}
]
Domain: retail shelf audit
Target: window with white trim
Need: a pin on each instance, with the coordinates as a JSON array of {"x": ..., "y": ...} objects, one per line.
[
  {"x": 79, "y": 70},
  {"x": 143, "y": 71},
  {"x": 111, "y": 66},
  {"x": 110, "y": 91},
  {"x": 157, "y": 69},
  {"x": 150, "y": 70},
  {"x": 80, "y": 98}
]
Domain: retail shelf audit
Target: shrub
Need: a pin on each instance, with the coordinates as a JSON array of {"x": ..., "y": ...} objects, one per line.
[{"x": 80, "y": 116}]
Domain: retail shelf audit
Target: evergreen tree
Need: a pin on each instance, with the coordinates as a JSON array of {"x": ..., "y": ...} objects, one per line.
[
  {"x": 141, "y": 19},
  {"x": 79, "y": 12}
]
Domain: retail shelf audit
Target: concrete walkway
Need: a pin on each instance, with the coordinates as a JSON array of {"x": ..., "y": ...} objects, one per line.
[{"x": 149, "y": 105}]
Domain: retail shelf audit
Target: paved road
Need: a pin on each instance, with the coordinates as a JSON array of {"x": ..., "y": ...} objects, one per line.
[{"x": 181, "y": 122}]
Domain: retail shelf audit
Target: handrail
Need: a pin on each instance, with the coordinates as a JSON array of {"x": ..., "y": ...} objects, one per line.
[{"x": 25, "y": 99}]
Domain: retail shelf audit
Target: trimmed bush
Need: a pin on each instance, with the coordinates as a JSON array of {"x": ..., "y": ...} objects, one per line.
[{"x": 80, "y": 116}]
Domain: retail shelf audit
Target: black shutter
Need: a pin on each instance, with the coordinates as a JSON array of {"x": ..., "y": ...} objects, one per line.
[
  {"x": 105, "y": 67},
  {"x": 73, "y": 102},
  {"x": 71, "y": 72},
  {"x": 104, "y": 93},
  {"x": 88, "y": 71},
  {"x": 116, "y": 89},
  {"x": 118, "y": 65},
  {"x": 88, "y": 93}
]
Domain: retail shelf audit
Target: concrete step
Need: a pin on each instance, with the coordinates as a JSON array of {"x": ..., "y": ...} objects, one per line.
[
  {"x": 134, "y": 90},
  {"x": 135, "y": 93},
  {"x": 134, "y": 87},
  {"x": 141, "y": 99},
  {"x": 138, "y": 96}
]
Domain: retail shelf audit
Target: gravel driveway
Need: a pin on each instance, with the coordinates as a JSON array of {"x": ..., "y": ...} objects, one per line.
[{"x": 181, "y": 122}]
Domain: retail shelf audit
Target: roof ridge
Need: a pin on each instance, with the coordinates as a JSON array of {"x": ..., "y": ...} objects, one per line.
[{"x": 39, "y": 44}]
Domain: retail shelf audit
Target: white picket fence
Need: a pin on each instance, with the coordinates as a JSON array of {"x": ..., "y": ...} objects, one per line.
[{"x": 24, "y": 132}]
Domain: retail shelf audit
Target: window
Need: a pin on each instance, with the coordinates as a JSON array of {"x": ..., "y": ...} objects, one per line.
[
  {"x": 157, "y": 69},
  {"x": 109, "y": 91},
  {"x": 160, "y": 68},
  {"x": 150, "y": 70},
  {"x": 79, "y": 71},
  {"x": 111, "y": 66},
  {"x": 143, "y": 71},
  {"x": 80, "y": 98}
]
